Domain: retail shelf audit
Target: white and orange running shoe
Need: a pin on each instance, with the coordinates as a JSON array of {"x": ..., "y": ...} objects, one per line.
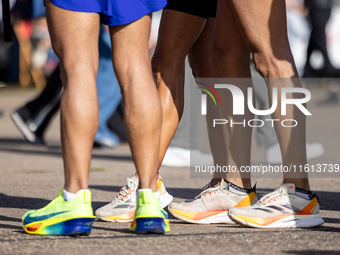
[
  {"x": 281, "y": 208},
  {"x": 213, "y": 203},
  {"x": 123, "y": 206}
]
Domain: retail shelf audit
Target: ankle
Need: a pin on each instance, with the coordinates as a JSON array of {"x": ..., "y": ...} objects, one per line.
[
  {"x": 69, "y": 196},
  {"x": 242, "y": 183},
  {"x": 214, "y": 181},
  {"x": 148, "y": 185},
  {"x": 299, "y": 183}
]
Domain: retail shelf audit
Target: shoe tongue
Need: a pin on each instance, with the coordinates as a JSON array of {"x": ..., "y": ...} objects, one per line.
[
  {"x": 134, "y": 179},
  {"x": 61, "y": 192},
  {"x": 223, "y": 184},
  {"x": 288, "y": 187}
]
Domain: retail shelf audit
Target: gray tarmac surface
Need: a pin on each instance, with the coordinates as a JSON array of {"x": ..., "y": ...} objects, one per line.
[{"x": 30, "y": 176}]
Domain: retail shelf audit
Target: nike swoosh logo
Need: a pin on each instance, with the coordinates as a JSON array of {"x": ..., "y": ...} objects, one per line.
[{"x": 28, "y": 219}]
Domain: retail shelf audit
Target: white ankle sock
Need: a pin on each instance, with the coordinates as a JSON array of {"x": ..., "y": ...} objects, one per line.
[
  {"x": 139, "y": 191},
  {"x": 68, "y": 196},
  {"x": 157, "y": 194}
]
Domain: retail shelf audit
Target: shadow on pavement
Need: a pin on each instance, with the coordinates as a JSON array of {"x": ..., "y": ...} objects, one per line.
[
  {"x": 329, "y": 201},
  {"x": 331, "y": 220},
  {"x": 5, "y": 218},
  {"x": 10, "y": 227},
  {"x": 125, "y": 231},
  {"x": 106, "y": 188},
  {"x": 183, "y": 193},
  {"x": 15, "y": 141},
  {"x": 313, "y": 252},
  {"x": 59, "y": 153},
  {"x": 21, "y": 202},
  {"x": 324, "y": 229},
  {"x": 10, "y": 219}
]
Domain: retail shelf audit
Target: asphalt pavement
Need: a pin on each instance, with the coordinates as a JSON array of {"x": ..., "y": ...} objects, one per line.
[{"x": 31, "y": 176}]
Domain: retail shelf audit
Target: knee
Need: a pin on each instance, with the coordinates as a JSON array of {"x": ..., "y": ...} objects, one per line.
[
  {"x": 202, "y": 67},
  {"x": 169, "y": 75},
  {"x": 166, "y": 63},
  {"x": 158, "y": 65},
  {"x": 270, "y": 66},
  {"x": 77, "y": 63},
  {"x": 230, "y": 61},
  {"x": 78, "y": 69},
  {"x": 168, "y": 69}
]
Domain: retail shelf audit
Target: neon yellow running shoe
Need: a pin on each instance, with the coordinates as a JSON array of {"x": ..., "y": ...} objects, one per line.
[
  {"x": 60, "y": 217},
  {"x": 149, "y": 216}
]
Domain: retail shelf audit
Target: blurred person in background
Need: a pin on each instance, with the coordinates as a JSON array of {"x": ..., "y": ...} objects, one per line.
[
  {"x": 298, "y": 32},
  {"x": 31, "y": 34},
  {"x": 5, "y": 56},
  {"x": 4, "y": 48},
  {"x": 33, "y": 118},
  {"x": 4, "y": 51},
  {"x": 319, "y": 12}
]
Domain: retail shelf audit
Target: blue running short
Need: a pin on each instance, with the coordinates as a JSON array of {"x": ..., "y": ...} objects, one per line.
[{"x": 113, "y": 12}]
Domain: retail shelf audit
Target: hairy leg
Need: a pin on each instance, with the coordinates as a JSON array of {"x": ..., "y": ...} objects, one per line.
[
  {"x": 264, "y": 28},
  {"x": 142, "y": 107},
  {"x": 75, "y": 40},
  {"x": 177, "y": 34}
]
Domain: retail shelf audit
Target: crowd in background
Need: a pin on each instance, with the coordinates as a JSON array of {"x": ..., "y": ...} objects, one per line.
[
  {"x": 29, "y": 59},
  {"x": 313, "y": 30}
]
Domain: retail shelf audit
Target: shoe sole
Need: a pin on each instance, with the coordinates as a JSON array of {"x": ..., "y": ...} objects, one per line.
[
  {"x": 128, "y": 217},
  {"x": 67, "y": 226},
  {"x": 28, "y": 134},
  {"x": 214, "y": 219},
  {"x": 292, "y": 221},
  {"x": 150, "y": 225},
  {"x": 166, "y": 199}
]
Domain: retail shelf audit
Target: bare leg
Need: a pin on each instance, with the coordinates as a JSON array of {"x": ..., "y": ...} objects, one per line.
[
  {"x": 177, "y": 34},
  {"x": 200, "y": 54},
  {"x": 75, "y": 41},
  {"x": 231, "y": 58},
  {"x": 264, "y": 27},
  {"x": 142, "y": 107},
  {"x": 201, "y": 62}
]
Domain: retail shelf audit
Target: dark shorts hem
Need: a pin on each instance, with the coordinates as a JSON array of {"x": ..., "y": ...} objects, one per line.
[{"x": 200, "y": 8}]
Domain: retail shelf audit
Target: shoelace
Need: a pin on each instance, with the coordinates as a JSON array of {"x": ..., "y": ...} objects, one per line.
[
  {"x": 271, "y": 196},
  {"x": 208, "y": 189},
  {"x": 207, "y": 186},
  {"x": 130, "y": 184}
]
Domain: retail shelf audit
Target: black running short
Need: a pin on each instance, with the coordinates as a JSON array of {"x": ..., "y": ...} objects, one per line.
[{"x": 201, "y": 8}]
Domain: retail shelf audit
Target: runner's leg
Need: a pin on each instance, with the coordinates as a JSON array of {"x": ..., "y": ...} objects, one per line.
[
  {"x": 177, "y": 34},
  {"x": 142, "y": 108},
  {"x": 201, "y": 62},
  {"x": 74, "y": 38},
  {"x": 231, "y": 58},
  {"x": 264, "y": 26}
]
